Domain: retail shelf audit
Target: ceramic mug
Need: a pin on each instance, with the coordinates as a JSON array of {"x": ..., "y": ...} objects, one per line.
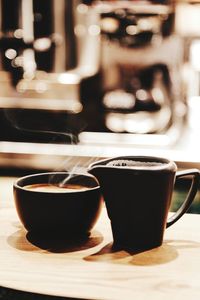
[{"x": 137, "y": 191}]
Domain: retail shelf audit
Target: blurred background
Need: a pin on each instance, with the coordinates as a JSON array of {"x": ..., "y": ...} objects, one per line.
[{"x": 81, "y": 80}]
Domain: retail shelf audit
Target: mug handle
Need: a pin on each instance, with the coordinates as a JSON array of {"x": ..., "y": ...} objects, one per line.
[{"x": 190, "y": 196}]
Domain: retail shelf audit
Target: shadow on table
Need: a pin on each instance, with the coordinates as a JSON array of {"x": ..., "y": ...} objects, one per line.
[
  {"x": 24, "y": 241},
  {"x": 169, "y": 251}
]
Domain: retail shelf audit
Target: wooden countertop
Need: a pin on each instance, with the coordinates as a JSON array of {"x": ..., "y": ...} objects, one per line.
[{"x": 91, "y": 270}]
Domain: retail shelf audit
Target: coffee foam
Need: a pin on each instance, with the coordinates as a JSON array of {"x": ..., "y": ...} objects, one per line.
[
  {"x": 134, "y": 163},
  {"x": 51, "y": 188}
]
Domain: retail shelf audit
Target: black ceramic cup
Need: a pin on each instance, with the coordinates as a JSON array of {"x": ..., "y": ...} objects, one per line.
[
  {"x": 58, "y": 203},
  {"x": 138, "y": 192}
]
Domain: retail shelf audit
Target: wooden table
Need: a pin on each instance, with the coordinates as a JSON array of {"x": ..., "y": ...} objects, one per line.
[{"x": 91, "y": 270}]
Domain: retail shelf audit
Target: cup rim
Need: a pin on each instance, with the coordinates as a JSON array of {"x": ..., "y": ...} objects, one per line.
[{"x": 16, "y": 184}]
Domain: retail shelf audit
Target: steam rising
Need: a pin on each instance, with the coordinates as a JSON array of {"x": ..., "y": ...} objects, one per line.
[
  {"x": 72, "y": 169},
  {"x": 49, "y": 136},
  {"x": 71, "y": 165}
]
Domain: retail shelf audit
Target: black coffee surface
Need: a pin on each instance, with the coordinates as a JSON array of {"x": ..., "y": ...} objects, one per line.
[{"x": 135, "y": 163}]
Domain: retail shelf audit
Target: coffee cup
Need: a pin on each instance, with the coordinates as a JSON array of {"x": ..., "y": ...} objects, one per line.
[
  {"x": 58, "y": 203},
  {"x": 137, "y": 191}
]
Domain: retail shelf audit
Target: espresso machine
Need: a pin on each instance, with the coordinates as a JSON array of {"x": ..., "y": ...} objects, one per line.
[
  {"x": 142, "y": 57},
  {"x": 48, "y": 56},
  {"x": 90, "y": 74}
]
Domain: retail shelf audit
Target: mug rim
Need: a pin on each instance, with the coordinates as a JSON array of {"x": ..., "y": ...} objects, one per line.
[
  {"x": 16, "y": 184},
  {"x": 168, "y": 163}
]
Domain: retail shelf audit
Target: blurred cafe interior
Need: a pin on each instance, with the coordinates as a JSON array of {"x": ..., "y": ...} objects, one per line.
[{"x": 85, "y": 80}]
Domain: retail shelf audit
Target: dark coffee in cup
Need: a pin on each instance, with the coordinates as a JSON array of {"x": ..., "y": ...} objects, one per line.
[
  {"x": 135, "y": 163},
  {"x": 55, "y": 188}
]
